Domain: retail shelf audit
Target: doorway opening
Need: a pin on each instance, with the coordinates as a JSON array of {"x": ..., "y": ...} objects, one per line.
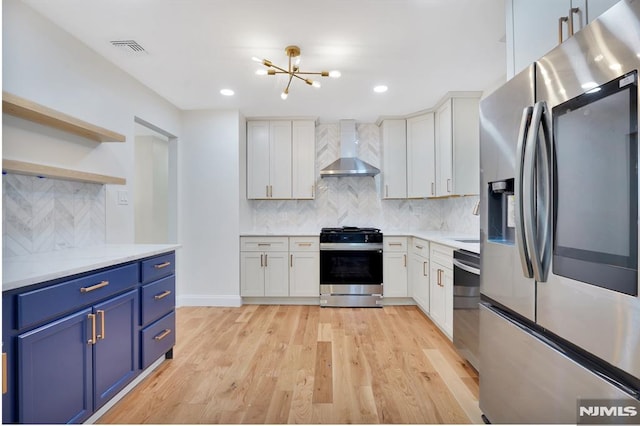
[{"x": 155, "y": 186}]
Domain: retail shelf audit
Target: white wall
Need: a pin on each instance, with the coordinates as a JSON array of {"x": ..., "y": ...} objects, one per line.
[
  {"x": 209, "y": 153},
  {"x": 44, "y": 64}
]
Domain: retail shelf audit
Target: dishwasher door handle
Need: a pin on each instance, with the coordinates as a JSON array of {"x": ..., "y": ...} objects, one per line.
[{"x": 465, "y": 267}]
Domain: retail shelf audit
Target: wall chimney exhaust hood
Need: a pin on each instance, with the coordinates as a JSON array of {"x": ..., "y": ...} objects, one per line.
[{"x": 348, "y": 164}]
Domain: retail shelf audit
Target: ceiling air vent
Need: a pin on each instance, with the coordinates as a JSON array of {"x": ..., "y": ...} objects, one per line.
[{"x": 130, "y": 46}]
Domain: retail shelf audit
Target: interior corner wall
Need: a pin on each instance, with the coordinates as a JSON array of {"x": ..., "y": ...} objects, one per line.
[
  {"x": 209, "y": 153},
  {"x": 44, "y": 64}
]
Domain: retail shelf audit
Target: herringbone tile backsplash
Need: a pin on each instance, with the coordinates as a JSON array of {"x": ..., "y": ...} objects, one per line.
[
  {"x": 41, "y": 215},
  {"x": 356, "y": 201}
]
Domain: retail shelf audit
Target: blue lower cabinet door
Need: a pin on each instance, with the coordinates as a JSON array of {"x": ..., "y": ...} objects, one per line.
[
  {"x": 116, "y": 349},
  {"x": 55, "y": 371}
]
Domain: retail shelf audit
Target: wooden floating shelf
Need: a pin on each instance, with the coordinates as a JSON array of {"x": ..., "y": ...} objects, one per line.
[
  {"x": 23, "y": 108},
  {"x": 31, "y": 169}
]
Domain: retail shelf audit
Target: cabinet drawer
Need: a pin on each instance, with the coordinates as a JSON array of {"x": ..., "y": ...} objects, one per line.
[
  {"x": 442, "y": 255},
  {"x": 158, "y": 299},
  {"x": 420, "y": 247},
  {"x": 158, "y": 267},
  {"x": 48, "y": 302},
  {"x": 304, "y": 244},
  {"x": 395, "y": 244},
  {"x": 157, "y": 339},
  {"x": 264, "y": 244}
]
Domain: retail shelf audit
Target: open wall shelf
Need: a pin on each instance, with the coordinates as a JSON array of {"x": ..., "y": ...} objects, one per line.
[
  {"x": 23, "y": 108},
  {"x": 31, "y": 169}
]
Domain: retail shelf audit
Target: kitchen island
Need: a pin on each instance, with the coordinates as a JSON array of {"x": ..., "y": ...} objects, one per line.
[{"x": 89, "y": 321}]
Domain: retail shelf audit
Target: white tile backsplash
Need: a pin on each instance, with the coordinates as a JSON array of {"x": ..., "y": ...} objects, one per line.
[
  {"x": 355, "y": 201},
  {"x": 41, "y": 215}
]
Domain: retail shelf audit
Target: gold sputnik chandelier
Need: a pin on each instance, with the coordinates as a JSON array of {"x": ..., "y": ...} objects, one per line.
[{"x": 293, "y": 52}]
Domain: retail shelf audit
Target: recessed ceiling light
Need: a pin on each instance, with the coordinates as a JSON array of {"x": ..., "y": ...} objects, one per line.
[
  {"x": 380, "y": 89},
  {"x": 227, "y": 92}
]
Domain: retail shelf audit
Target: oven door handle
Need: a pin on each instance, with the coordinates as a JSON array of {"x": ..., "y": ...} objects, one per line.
[
  {"x": 351, "y": 247},
  {"x": 465, "y": 267}
]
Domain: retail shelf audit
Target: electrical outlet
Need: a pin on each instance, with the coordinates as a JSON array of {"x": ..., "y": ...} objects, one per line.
[{"x": 123, "y": 198}]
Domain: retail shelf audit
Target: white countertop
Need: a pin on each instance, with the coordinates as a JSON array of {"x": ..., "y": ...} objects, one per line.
[
  {"x": 21, "y": 271},
  {"x": 447, "y": 238}
]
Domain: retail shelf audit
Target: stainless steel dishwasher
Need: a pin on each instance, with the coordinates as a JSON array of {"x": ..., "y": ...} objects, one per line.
[{"x": 466, "y": 297}]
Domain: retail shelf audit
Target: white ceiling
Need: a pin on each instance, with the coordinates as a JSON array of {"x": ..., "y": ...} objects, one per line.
[{"x": 420, "y": 49}]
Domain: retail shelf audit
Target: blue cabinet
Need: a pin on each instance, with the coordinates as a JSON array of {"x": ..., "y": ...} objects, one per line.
[
  {"x": 72, "y": 344},
  {"x": 55, "y": 371}
]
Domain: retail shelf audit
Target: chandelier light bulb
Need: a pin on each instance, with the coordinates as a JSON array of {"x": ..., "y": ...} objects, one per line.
[
  {"x": 284, "y": 95},
  {"x": 261, "y": 71},
  {"x": 256, "y": 59},
  {"x": 316, "y": 84},
  {"x": 335, "y": 74}
]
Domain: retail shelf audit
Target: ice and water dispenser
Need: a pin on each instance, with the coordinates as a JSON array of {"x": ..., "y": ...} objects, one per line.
[{"x": 501, "y": 212}]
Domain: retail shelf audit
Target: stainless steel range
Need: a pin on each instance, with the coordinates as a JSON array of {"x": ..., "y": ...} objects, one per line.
[{"x": 351, "y": 267}]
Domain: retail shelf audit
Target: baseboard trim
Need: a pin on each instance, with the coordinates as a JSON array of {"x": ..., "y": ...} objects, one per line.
[{"x": 193, "y": 300}]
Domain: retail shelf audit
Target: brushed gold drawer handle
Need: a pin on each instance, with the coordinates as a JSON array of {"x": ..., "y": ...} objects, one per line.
[
  {"x": 94, "y": 287},
  {"x": 162, "y": 335},
  {"x": 264, "y": 244},
  {"x": 304, "y": 244},
  {"x": 419, "y": 247},
  {"x": 5, "y": 381},
  {"x": 162, "y": 295},
  {"x": 395, "y": 244},
  {"x": 162, "y": 265}
]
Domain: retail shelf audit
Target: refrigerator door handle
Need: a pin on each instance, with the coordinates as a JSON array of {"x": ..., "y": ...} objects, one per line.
[
  {"x": 537, "y": 249},
  {"x": 525, "y": 122}
]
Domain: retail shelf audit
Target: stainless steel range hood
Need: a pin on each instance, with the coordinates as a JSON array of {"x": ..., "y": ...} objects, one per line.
[{"x": 348, "y": 164}]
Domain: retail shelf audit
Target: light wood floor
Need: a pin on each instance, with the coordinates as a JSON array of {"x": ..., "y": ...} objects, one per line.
[{"x": 305, "y": 364}]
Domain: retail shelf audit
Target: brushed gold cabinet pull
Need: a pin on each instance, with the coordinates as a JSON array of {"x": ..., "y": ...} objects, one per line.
[
  {"x": 433, "y": 188},
  {"x": 304, "y": 244},
  {"x": 419, "y": 247},
  {"x": 162, "y": 295},
  {"x": 267, "y": 189},
  {"x": 264, "y": 244},
  {"x": 561, "y": 20},
  {"x": 92, "y": 339},
  {"x": 262, "y": 260},
  {"x": 94, "y": 287},
  {"x": 291, "y": 261},
  {"x": 395, "y": 244},
  {"x": 425, "y": 269},
  {"x": 162, "y": 335},
  {"x": 448, "y": 185},
  {"x": 572, "y": 11},
  {"x": 100, "y": 312},
  {"x": 162, "y": 265},
  {"x": 5, "y": 381},
  {"x": 386, "y": 191},
  {"x": 405, "y": 260},
  {"x": 265, "y": 260}
]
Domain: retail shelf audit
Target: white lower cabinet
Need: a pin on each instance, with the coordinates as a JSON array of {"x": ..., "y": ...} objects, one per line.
[
  {"x": 394, "y": 267},
  {"x": 419, "y": 272},
  {"x": 441, "y": 288},
  {"x": 304, "y": 267},
  {"x": 264, "y": 266}
]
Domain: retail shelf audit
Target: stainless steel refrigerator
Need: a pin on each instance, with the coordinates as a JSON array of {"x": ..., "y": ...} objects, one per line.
[{"x": 560, "y": 311}]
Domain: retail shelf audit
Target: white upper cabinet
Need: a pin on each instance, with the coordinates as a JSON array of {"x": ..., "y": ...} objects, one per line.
[
  {"x": 281, "y": 159},
  {"x": 421, "y": 164},
  {"x": 394, "y": 158},
  {"x": 457, "y": 143},
  {"x": 534, "y": 27},
  {"x": 304, "y": 155}
]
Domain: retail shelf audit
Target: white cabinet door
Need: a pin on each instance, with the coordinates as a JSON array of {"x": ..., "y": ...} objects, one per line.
[
  {"x": 280, "y": 159},
  {"x": 252, "y": 274},
  {"x": 258, "y": 159},
  {"x": 304, "y": 274},
  {"x": 304, "y": 156},
  {"x": 535, "y": 30},
  {"x": 394, "y": 158},
  {"x": 276, "y": 276},
  {"x": 394, "y": 274},
  {"x": 419, "y": 281},
  {"x": 444, "y": 150},
  {"x": 466, "y": 146},
  {"x": 421, "y": 172},
  {"x": 596, "y": 8}
]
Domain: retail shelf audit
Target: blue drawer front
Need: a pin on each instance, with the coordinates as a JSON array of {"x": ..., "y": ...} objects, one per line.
[
  {"x": 157, "y": 339},
  {"x": 48, "y": 302},
  {"x": 158, "y": 299},
  {"x": 158, "y": 267}
]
